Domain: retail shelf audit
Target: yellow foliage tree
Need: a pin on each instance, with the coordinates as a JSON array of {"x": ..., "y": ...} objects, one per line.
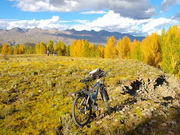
[
  {"x": 151, "y": 50},
  {"x": 40, "y": 48},
  {"x": 86, "y": 48},
  {"x": 37, "y": 48},
  {"x": 101, "y": 50},
  {"x": 135, "y": 50},
  {"x": 21, "y": 49},
  {"x": 50, "y": 46},
  {"x": 60, "y": 48},
  {"x": 43, "y": 48},
  {"x": 80, "y": 48},
  {"x": 123, "y": 47},
  {"x": 5, "y": 48},
  {"x": 110, "y": 50},
  {"x": 10, "y": 51},
  {"x": 71, "y": 49},
  {"x": 170, "y": 42}
]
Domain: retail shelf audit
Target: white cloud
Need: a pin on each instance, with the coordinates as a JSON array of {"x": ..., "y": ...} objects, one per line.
[
  {"x": 127, "y": 8},
  {"x": 54, "y": 22},
  {"x": 115, "y": 22},
  {"x": 81, "y": 21},
  {"x": 94, "y": 12},
  {"x": 156, "y": 24}
]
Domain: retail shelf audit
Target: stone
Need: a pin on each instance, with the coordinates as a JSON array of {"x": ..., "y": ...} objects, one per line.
[{"x": 164, "y": 124}]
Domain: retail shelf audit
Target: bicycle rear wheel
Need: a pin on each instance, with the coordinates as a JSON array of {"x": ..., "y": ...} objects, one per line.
[{"x": 81, "y": 111}]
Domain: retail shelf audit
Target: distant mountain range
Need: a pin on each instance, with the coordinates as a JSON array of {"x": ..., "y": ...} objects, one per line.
[{"x": 35, "y": 35}]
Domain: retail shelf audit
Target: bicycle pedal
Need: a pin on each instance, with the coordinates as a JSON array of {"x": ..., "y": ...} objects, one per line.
[{"x": 94, "y": 115}]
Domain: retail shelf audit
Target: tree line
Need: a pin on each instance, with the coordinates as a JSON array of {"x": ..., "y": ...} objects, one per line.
[{"x": 162, "y": 51}]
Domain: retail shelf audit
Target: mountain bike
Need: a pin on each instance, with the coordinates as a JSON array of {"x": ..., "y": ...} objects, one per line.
[{"x": 85, "y": 99}]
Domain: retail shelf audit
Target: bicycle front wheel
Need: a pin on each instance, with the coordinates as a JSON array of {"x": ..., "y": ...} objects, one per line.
[{"x": 81, "y": 110}]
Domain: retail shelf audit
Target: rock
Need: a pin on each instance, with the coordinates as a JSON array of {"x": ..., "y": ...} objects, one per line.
[
  {"x": 164, "y": 124},
  {"x": 173, "y": 122},
  {"x": 98, "y": 122},
  {"x": 171, "y": 133}
]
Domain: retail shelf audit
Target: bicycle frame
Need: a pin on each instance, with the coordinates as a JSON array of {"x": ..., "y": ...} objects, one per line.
[{"x": 95, "y": 88}]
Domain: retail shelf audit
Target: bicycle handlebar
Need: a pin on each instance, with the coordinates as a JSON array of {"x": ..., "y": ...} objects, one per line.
[{"x": 93, "y": 77}]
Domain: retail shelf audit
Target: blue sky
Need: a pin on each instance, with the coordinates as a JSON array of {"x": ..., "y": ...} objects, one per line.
[{"x": 137, "y": 17}]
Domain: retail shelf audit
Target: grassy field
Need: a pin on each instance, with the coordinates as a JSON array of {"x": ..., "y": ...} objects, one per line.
[{"x": 35, "y": 95}]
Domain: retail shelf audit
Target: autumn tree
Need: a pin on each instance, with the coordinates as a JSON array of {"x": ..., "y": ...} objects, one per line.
[
  {"x": 37, "y": 48},
  {"x": 110, "y": 50},
  {"x": 10, "y": 50},
  {"x": 93, "y": 52},
  {"x": 87, "y": 49},
  {"x": 97, "y": 51},
  {"x": 123, "y": 47},
  {"x": 0, "y": 48},
  {"x": 100, "y": 48},
  {"x": 60, "y": 48},
  {"x": 5, "y": 48},
  {"x": 135, "y": 50},
  {"x": 82, "y": 48},
  {"x": 50, "y": 46},
  {"x": 79, "y": 48},
  {"x": 40, "y": 48},
  {"x": 67, "y": 52},
  {"x": 21, "y": 49},
  {"x": 16, "y": 49},
  {"x": 72, "y": 49},
  {"x": 151, "y": 50},
  {"x": 43, "y": 48},
  {"x": 76, "y": 48},
  {"x": 29, "y": 48},
  {"x": 170, "y": 42}
]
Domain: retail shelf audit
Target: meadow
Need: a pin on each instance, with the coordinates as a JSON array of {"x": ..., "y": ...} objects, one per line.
[{"x": 35, "y": 95}]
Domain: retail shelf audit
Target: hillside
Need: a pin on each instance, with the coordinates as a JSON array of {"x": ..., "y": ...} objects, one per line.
[
  {"x": 35, "y": 35},
  {"x": 35, "y": 97}
]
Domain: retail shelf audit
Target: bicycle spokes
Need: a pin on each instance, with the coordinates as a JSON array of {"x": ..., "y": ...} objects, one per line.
[{"x": 81, "y": 111}]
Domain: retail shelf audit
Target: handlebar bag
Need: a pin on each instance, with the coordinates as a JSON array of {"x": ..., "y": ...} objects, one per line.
[{"x": 96, "y": 73}]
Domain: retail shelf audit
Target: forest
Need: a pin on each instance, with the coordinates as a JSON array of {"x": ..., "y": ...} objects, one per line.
[{"x": 161, "y": 51}]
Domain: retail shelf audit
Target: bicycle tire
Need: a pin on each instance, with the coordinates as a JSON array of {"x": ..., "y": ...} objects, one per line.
[{"x": 85, "y": 111}]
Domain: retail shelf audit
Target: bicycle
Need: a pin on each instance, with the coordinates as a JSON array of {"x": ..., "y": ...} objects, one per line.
[{"x": 85, "y": 99}]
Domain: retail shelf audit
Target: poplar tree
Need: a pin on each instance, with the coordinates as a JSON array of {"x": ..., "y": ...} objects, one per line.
[
  {"x": 151, "y": 50},
  {"x": 43, "y": 48},
  {"x": 135, "y": 50},
  {"x": 40, "y": 48},
  {"x": 5, "y": 48},
  {"x": 60, "y": 48},
  {"x": 72, "y": 49},
  {"x": 110, "y": 51},
  {"x": 101, "y": 50},
  {"x": 21, "y": 49},
  {"x": 123, "y": 47},
  {"x": 37, "y": 48},
  {"x": 170, "y": 42},
  {"x": 10, "y": 50},
  {"x": 50, "y": 46}
]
